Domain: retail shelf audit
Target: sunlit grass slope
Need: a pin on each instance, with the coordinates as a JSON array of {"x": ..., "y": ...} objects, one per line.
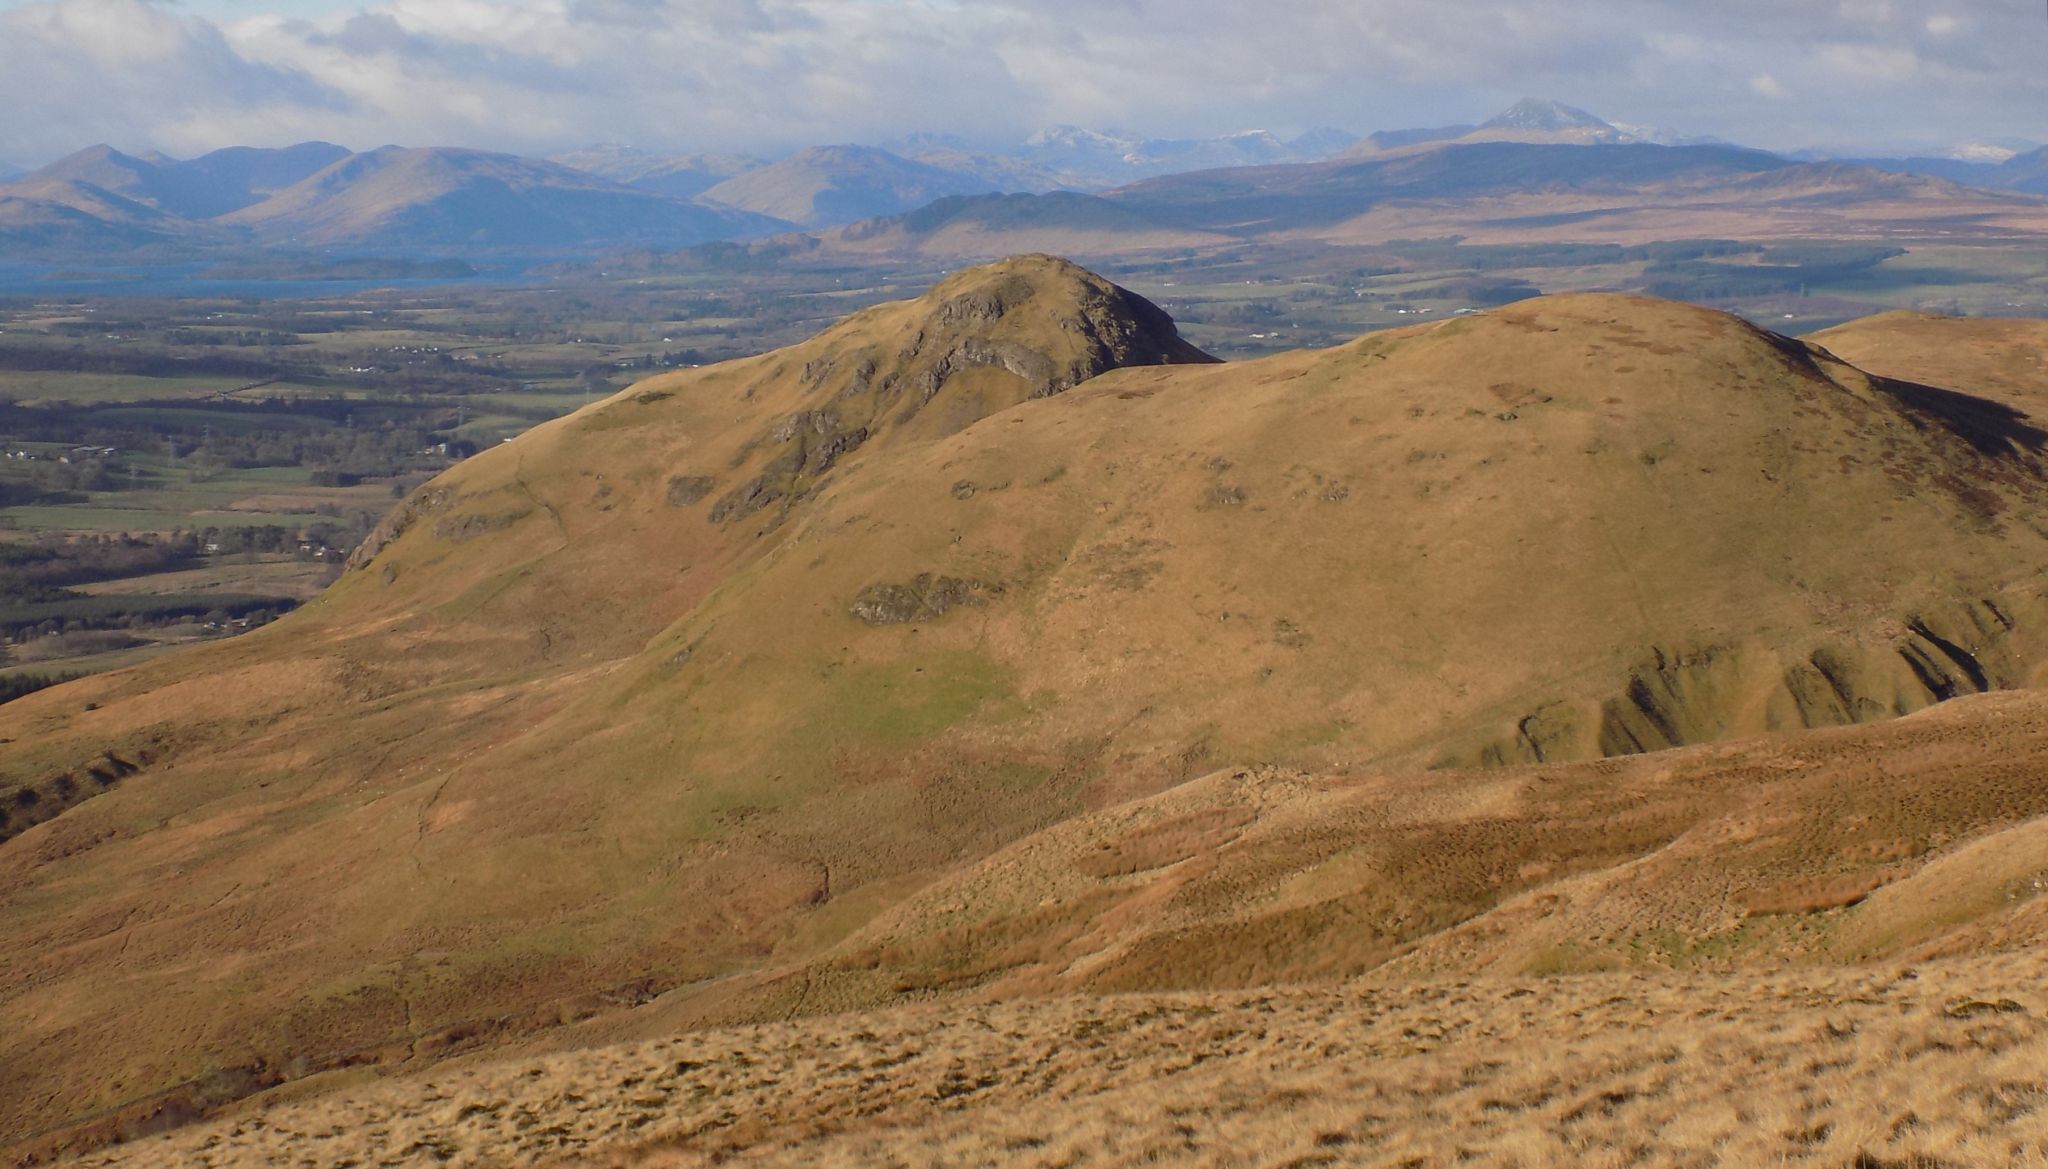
[{"x": 699, "y": 686}]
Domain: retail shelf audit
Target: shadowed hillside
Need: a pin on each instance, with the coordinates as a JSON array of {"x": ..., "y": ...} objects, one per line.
[
  {"x": 701, "y": 685},
  {"x": 2005, "y": 360}
]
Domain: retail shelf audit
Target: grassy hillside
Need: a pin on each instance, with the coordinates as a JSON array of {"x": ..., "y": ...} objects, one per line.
[
  {"x": 2006, "y": 360},
  {"x": 1715, "y": 956},
  {"x": 701, "y": 683}
]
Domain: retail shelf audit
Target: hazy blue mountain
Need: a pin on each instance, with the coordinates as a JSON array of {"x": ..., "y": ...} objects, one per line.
[
  {"x": 2026, "y": 172},
  {"x": 1096, "y": 159},
  {"x": 826, "y": 186},
  {"x": 1304, "y": 195},
  {"x": 967, "y": 227},
  {"x": 678, "y": 176},
  {"x": 1322, "y": 142},
  {"x": 49, "y": 215},
  {"x": 202, "y": 188},
  {"x": 443, "y": 197},
  {"x": 1533, "y": 119}
]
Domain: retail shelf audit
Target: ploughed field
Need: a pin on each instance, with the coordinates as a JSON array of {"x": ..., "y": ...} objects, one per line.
[{"x": 997, "y": 655}]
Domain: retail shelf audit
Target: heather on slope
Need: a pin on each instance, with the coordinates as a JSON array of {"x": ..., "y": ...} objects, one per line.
[{"x": 697, "y": 688}]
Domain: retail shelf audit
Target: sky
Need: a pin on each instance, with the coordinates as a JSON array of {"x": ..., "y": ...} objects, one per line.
[{"x": 767, "y": 76}]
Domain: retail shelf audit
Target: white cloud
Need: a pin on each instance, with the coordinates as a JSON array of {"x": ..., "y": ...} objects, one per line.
[{"x": 535, "y": 75}]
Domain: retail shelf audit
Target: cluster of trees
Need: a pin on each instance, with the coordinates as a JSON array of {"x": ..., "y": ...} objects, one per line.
[
  {"x": 358, "y": 453},
  {"x": 15, "y": 686},
  {"x": 363, "y": 440},
  {"x": 144, "y": 362},
  {"x": 42, "y": 569},
  {"x": 238, "y": 339},
  {"x": 331, "y": 534},
  {"x": 1244, "y": 312},
  {"x": 46, "y": 569},
  {"x": 1778, "y": 271},
  {"x": 39, "y": 579},
  {"x": 31, "y": 620}
]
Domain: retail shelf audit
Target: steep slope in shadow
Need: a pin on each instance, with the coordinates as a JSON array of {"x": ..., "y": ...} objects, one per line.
[{"x": 1998, "y": 358}]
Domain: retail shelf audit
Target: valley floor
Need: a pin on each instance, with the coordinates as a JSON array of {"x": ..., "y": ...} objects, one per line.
[{"x": 1928, "y": 1066}]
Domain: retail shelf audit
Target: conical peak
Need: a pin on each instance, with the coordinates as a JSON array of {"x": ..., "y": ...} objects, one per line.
[
  {"x": 984, "y": 340},
  {"x": 1539, "y": 114}
]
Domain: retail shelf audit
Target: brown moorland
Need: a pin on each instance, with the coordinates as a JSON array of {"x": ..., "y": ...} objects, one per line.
[
  {"x": 1786, "y": 980},
  {"x": 1934, "y": 1064},
  {"x": 1810, "y": 203},
  {"x": 688, "y": 700},
  {"x": 2005, "y": 359}
]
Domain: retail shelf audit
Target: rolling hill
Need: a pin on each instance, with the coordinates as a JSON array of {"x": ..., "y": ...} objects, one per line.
[
  {"x": 1998, "y": 358},
  {"x": 60, "y": 216},
  {"x": 212, "y": 185},
  {"x": 989, "y": 226},
  {"x": 1511, "y": 191},
  {"x": 680, "y": 177},
  {"x": 395, "y": 196},
  {"x": 1093, "y": 160},
  {"x": 829, "y": 185},
  {"x": 2026, "y": 172},
  {"x": 1539, "y": 172},
  {"x": 320, "y": 195},
  {"x": 998, "y": 642},
  {"x": 1636, "y": 1008},
  {"x": 1530, "y": 121}
]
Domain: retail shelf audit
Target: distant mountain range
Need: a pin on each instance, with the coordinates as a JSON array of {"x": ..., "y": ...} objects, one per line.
[
  {"x": 1540, "y": 167},
  {"x": 829, "y": 185},
  {"x": 319, "y": 195},
  {"x": 682, "y": 177},
  {"x": 1060, "y": 222},
  {"x": 2026, "y": 172},
  {"x": 876, "y": 181},
  {"x": 1532, "y": 177}
]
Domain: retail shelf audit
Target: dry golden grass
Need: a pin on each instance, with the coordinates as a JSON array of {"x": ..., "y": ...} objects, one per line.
[
  {"x": 1941, "y": 1063},
  {"x": 2005, "y": 360},
  {"x": 299, "y": 579},
  {"x": 569, "y": 743}
]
